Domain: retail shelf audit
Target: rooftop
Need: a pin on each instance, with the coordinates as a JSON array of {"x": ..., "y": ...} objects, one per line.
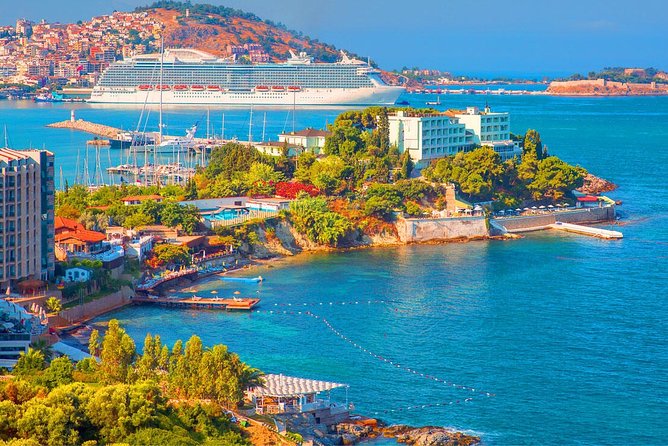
[
  {"x": 308, "y": 133},
  {"x": 142, "y": 198}
]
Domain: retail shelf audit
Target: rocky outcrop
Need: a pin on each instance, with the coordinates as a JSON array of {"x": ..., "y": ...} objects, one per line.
[
  {"x": 602, "y": 87},
  {"x": 595, "y": 185},
  {"x": 429, "y": 436}
]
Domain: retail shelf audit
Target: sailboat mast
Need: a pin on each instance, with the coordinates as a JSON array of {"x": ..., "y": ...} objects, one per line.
[
  {"x": 222, "y": 128},
  {"x": 250, "y": 126},
  {"x": 264, "y": 125},
  {"x": 162, "y": 61}
]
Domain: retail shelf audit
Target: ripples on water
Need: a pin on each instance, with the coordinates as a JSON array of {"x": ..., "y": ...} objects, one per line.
[{"x": 568, "y": 332}]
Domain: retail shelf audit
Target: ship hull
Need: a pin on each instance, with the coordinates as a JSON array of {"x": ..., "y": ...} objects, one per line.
[{"x": 381, "y": 95}]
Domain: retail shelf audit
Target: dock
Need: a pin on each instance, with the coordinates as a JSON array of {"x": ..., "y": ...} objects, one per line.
[
  {"x": 209, "y": 303},
  {"x": 587, "y": 230}
]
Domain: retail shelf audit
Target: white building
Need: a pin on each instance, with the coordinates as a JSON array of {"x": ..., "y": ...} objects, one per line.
[
  {"x": 490, "y": 129},
  {"x": 16, "y": 328},
  {"x": 77, "y": 274},
  {"x": 428, "y": 136},
  {"x": 139, "y": 247},
  {"x": 311, "y": 140}
]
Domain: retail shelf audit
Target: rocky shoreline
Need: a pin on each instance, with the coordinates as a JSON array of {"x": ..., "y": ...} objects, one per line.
[
  {"x": 595, "y": 185},
  {"x": 348, "y": 433}
]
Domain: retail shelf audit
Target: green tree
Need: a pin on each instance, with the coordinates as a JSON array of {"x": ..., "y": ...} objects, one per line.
[
  {"x": 328, "y": 173},
  {"x": 137, "y": 220},
  {"x": 94, "y": 344},
  {"x": 261, "y": 179},
  {"x": 117, "y": 355},
  {"x": 533, "y": 144},
  {"x": 555, "y": 178},
  {"x": 172, "y": 254},
  {"x": 313, "y": 218},
  {"x": 381, "y": 200},
  {"x": 58, "y": 373},
  {"x": 53, "y": 305},
  {"x": 29, "y": 362}
]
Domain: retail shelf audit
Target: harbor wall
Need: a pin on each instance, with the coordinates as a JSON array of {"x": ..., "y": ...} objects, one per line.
[
  {"x": 577, "y": 216},
  {"x": 418, "y": 230},
  {"x": 97, "y": 307}
]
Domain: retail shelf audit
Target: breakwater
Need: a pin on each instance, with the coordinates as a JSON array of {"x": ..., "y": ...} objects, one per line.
[
  {"x": 525, "y": 223},
  {"x": 105, "y": 131}
]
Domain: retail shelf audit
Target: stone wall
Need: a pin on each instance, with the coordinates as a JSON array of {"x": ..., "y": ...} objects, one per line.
[
  {"x": 577, "y": 216},
  {"x": 97, "y": 307},
  {"x": 418, "y": 230}
]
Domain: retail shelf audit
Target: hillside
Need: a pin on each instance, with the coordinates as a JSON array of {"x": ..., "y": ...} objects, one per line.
[{"x": 213, "y": 28}]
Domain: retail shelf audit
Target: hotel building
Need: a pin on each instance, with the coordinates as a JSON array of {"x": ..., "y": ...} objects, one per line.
[
  {"x": 491, "y": 129},
  {"x": 26, "y": 216},
  {"x": 428, "y": 136}
]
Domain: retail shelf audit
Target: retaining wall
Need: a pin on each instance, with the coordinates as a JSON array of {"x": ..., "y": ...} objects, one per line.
[
  {"x": 97, "y": 307},
  {"x": 417, "y": 230}
]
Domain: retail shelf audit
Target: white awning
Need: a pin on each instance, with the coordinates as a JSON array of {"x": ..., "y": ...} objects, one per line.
[
  {"x": 281, "y": 385},
  {"x": 74, "y": 353}
]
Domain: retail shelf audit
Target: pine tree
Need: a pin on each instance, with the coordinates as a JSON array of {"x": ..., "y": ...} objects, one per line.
[{"x": 117, "y": 355}]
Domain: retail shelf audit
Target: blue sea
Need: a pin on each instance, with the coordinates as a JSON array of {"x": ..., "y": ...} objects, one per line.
[{"x": 567, "y": 334}]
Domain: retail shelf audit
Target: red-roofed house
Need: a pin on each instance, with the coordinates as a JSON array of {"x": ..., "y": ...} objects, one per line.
[{"x": 73, "y": 238}]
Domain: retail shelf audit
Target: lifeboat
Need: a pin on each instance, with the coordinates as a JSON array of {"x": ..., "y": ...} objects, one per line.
[
  {"x": 197, "y": 88},
  {"x": 145, "y": 87},
  {"x": 277, "y": 88},
  {"x": 180, "y": 87},
  {"x": 262, "y": 88},
  {"x": 213, "y": 88},
  {"x": 294, "y": 88},
  {"x": 162, "y": 87}
]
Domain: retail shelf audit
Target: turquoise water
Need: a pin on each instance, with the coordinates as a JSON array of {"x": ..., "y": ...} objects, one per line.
[{"x": 567, "y": 332}]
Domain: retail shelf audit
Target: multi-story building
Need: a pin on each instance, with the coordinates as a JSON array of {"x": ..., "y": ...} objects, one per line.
[
  {"x": 26, "y": 216},
  {"x": 311, "y": 140},
  {"x": 428, "y": 136},
  {"x": 491, "y": 129}
]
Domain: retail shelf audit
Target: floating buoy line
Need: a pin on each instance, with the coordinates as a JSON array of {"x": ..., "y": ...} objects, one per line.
[{"x": 380, "y": 358}]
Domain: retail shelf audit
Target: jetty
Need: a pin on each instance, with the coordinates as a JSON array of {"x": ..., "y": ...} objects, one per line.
[
  {"x": 105, "y": 131},
  {"x": 587, "y": 230},
  {"x": 209, "y": 303}
]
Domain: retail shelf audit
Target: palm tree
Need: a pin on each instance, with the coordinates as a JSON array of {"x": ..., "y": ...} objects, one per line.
[
  {"x": 42, "y": 345},
  {"x": 250, "y": 377}
]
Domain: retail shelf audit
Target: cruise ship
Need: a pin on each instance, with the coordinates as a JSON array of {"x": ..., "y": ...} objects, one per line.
[{"x": 193, "y": 77}]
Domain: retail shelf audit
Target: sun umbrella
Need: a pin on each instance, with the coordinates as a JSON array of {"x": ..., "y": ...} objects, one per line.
[
  {"x": 526, "y": 209},
  {"x": 550, "y": 206},
  {"x": 214, "y": 292},
  {"x": 534, "y": 207},
  {"x": 541, "y": 207}
]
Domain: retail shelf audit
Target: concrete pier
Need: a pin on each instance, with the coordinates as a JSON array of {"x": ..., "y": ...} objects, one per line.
[{"x": 586, "y": 230}]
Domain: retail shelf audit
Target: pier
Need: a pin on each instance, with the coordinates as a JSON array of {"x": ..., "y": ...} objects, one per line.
[
  {"x": 215, "y": 303},
  {"x": 586, "y": 230}
]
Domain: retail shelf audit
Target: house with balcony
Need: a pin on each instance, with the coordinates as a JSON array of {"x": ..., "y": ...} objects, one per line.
[{"x": 72, "y": 238}]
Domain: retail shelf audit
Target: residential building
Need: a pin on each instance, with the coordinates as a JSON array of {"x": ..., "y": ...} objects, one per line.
[
  {"x": 77, "y": 274},
  {"x": 26, "y": 216},
  {"x": 428, "y": 136},
  {"x": 139, "y": 199},
  {"x": 16, "y": 330},
  {"x": 310, "y": 140},
  {"x": 490, "y": 129},
  {"x": 72, "y": 238}
]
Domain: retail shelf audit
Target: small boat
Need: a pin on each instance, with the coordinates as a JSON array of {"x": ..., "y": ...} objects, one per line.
[
  {"x": 262, "y": 88},
  {"x": 197, "y": 87},
  {"x": 436, "y": 102},
  {"x": 213, "y": 88},
  {"x": 145, "y": 87},
  {"x": 278, "y": 88},
  {"x": 294, "y": 88},
  {"x": 180, "y": 87}
]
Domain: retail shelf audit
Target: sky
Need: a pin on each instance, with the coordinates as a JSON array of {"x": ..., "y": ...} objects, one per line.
[{"x": 503, "y": 37}]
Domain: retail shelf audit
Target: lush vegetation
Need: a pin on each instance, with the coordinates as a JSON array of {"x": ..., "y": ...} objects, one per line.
[
  {"x": 161, "y": 396},
  {"x": 97, "y": 209},
  {"x": 482, "y": 176},
  {"x": 621, "y": 74}
]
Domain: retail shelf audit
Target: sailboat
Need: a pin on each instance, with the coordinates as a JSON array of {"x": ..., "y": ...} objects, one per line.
[{"x": 436, "y": 102}]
